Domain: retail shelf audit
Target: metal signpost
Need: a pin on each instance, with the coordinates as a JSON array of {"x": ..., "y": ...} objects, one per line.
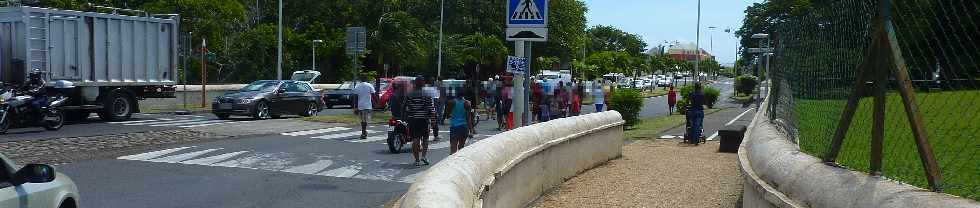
[
  {"x": 527, "y": 21},
  {"x": 356, "y": 44}
]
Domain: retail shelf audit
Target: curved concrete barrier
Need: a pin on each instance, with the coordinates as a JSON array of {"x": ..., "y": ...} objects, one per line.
[
  {"x": 513, "y": 168},
  {"x": 777, "y": 174}
]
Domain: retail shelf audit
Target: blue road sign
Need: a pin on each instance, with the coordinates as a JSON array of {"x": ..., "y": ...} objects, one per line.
[{"x": 527, "y": 13}]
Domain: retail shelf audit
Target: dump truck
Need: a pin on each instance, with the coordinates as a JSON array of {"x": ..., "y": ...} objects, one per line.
[{"x": 113, "y": 58}]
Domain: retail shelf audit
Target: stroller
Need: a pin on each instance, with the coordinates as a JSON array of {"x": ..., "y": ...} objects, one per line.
[{"x": 687, "y": 134}]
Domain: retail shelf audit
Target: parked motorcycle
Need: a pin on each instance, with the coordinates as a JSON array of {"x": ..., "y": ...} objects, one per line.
[
  {"x": 398, "y": 135},
  {"x": 16, "y": 109}
]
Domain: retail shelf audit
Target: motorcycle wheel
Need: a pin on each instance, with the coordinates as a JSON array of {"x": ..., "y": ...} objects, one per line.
[
  {"x": 393, "y": 141},
  {"x": 56, "y": 124},
  {"x": 4, "y": 125}
]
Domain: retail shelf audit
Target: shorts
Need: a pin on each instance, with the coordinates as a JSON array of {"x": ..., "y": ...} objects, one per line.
[
  {"x": 419, "y": 127},
  {"x": 365, "y": 115},
  {"x": 458, "y": 132}
]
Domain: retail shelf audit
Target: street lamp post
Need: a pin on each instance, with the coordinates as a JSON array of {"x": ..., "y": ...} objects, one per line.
[
  {"x": 279, "y": 45},
  {"x": 697, "y": 48},
  {"x": 711, "y": 46},
  {"x": 314, "y": 52},
  {"x": 441, "y": 13}
]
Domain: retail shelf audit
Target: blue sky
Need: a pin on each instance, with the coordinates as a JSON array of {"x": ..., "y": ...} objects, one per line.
[{"x": 659, "y": 20}]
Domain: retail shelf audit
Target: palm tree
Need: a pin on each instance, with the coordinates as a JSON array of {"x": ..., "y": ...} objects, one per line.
[{"x": 480, "y": 49}]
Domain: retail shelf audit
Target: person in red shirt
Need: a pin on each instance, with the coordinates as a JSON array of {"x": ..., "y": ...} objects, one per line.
[
  {"x": 671, "y": 100},
  {"x": 576, "y": 106}
]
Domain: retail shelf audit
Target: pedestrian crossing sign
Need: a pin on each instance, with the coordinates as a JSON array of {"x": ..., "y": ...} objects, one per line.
[{"x": 527, "y": 13}]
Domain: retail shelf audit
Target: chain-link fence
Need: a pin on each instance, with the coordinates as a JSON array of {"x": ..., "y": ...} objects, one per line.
[{"x": 821, "y": 51}]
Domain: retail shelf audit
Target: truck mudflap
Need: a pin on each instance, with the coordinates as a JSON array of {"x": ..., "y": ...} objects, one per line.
[{"x": 160, "y": 91}]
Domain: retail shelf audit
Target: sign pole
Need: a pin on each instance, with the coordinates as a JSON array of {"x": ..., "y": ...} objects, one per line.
[
  {"x": 519, "y": 104},
  {"x": 204, "y": 73},
  {"x": 527, "y": 83}
]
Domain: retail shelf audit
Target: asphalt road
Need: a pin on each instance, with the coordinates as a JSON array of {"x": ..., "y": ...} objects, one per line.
[{"x": 326, "y": 167}]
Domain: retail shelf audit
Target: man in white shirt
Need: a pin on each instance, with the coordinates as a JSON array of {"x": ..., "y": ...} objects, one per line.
[{"x": 363, "y": 92}]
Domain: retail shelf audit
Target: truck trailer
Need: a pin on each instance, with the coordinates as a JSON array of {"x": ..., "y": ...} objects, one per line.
[{"x": 113, "y": 59}]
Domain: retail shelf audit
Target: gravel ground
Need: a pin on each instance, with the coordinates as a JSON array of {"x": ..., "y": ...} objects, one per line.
[
  {"x": 66, "y": 150},
  {"x": 655, "y": 173}
]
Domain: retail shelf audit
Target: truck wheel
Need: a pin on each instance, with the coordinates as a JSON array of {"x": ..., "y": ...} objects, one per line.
[{"x": 117, "y": 107}]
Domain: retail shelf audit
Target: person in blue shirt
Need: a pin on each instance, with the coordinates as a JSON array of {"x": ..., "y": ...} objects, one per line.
[{"x": 460, "y": 122}]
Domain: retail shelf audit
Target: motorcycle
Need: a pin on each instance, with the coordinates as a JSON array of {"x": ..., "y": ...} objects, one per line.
[
  {"x": 16, "y": 110},
  {"x": 398, "y": 135}
]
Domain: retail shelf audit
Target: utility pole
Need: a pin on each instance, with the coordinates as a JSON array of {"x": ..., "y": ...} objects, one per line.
[
  {"x": 279, "y": 45},
  {"x": 442, "y": 8},
  {"x": 697, "y": 48}
]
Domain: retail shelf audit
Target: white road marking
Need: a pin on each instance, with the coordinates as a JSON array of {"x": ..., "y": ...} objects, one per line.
[
  {"x": 213, "y": 159},
  {"x": 370, "y": 139},
  {"x": 712, "y": 137},
  {"x": 151, "y": 155},
  {"x": 259, "y": 161},
  {"x": 384, "y": 175},
  {"x": 190, "y": 123},
  {"x": 212, "y": 124},
  {"x": 182, "y": 157},
  {"x": 343, "y": 172},
  {"x": 163, "y": 122},
  {"x": 344, "y": 135},
  {"x": 737, "y": 117},
  {"x": 439, "y": 145},
  {"x": 311, "y": 168},
  {"x": 315, "y": 131},
  {"x": 140, "y": 121},
  {"x": 410, "y": 178}
]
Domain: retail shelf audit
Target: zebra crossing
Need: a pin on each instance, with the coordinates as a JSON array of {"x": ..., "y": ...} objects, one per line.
[
  {"x": 179, "y": 122},
  {"x": 376, "y": 134},
  {"x": 320, "y": 165}
]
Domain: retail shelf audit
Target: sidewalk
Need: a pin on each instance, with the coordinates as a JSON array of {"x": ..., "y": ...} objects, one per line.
[{"x": 660, "y": 173}]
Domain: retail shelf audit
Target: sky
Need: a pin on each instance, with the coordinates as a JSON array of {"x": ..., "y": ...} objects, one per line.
[{"x": 657, "y": 21}]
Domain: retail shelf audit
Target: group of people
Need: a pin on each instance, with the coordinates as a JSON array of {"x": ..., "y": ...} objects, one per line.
[
  {"x": 425, "y": 105},
  {"x": 421, "y": 104}
]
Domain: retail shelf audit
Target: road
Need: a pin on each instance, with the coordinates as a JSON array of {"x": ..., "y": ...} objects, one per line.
[
  {"x": 285, "y": 163},
  {"x": 307, "y": 168}
]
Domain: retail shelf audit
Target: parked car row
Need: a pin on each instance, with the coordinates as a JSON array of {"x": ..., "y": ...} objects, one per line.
[{"x": 648, "y": 82}]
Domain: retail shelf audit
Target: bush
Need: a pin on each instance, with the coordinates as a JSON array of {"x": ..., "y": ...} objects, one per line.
[
  {"x": 746, "y": 84},
  {"x": 682, "y": 106},
  {"x": 628, "y": 102},
  {"x": 711, "y": 96}
]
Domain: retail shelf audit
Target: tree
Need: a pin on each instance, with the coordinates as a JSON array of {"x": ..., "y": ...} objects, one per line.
[
  {"x": 608, "y": 38},
  {"x": 566, "y": 29},
  {"x": 480, "y": 49}
]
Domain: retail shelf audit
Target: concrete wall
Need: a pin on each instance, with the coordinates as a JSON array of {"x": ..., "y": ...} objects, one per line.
[
  {"x": 777, "y": 174},
  {"x": 513, "y": 168}
]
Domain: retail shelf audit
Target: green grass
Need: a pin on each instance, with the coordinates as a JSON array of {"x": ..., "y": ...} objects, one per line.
[
  {"x": 651, "y": 127},
  {"x": 742, "y": 99},
  {"x": 350, "y": 118},
  {"x": 952, "y": 122}
]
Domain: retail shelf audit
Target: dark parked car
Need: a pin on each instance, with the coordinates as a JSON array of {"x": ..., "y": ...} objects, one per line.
[
  {"x": 269, "y": 99},
  {"x": 342, "y": 95}
]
